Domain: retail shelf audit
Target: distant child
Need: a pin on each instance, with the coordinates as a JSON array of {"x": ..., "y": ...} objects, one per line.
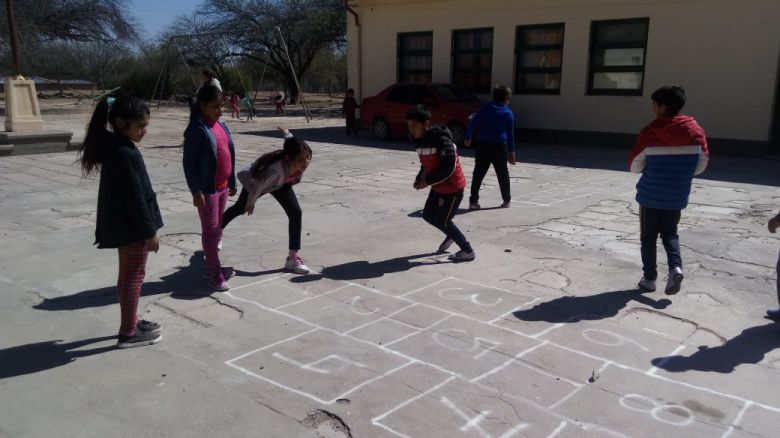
[
  {"x": 128, "y": 216},
  {"x": 668, "y": 153},
  {"x": 496, "y": 125},
  {"x": 276, "y": 173},
  {"x": 209, "y": 167},
  {"x": 235, "y": 112},
  {"x": 440, "y": 170},
  {"x": 773, "y": 224},
  {"x": 279, "y": 102},
  {"x": 250, "y": 107},
  {"x": 348, "y": 111}
]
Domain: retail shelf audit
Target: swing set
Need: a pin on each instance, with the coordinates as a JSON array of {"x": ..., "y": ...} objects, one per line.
[{"x": 175, "y": 42}]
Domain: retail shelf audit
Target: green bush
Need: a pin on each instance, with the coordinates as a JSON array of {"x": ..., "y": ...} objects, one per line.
[{"x": 140, "y": 82}]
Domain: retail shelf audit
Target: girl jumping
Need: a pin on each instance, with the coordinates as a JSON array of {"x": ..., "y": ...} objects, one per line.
[{"x": 275, "y": 173}]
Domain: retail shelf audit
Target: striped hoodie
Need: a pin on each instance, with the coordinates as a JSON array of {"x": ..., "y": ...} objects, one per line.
[{"x": 668, "y": 153}]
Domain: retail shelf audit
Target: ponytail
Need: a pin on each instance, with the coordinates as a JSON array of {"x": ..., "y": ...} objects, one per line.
[
  {"x": 293, "y": 148},
  {"x": 108, "y": 110}
]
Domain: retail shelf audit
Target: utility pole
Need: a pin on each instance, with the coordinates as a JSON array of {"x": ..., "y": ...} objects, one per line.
[{"x": 9, "y": 11}]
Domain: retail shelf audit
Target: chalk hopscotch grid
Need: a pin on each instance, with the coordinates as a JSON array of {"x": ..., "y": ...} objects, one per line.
[{"x": 410, "y": 360}]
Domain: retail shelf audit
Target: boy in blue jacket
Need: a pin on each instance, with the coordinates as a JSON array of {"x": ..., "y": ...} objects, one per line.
[
  {"x": 496, "y": 146},
  {"x": 668, "y": 153}
]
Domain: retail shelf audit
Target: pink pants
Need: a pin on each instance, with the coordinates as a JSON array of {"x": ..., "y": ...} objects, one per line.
[{"x": 211, "y": 230}]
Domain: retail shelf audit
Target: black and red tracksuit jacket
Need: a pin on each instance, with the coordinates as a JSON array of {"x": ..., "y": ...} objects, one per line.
[{"x": 440, "y": 165}]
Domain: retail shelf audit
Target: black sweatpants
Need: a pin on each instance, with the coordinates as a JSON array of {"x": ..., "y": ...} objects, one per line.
[
  {"x": 285, "y": 196},
  {"x": 653, "y": 222},
  {"x": 439, "y": 210},
  {"x": 485, "y": 154}
]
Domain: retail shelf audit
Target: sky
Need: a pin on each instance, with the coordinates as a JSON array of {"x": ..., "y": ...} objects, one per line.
[{"x": 155, "y": 15}]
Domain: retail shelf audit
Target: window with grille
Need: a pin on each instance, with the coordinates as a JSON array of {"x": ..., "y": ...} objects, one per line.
[{"x": 617, "y": 56}]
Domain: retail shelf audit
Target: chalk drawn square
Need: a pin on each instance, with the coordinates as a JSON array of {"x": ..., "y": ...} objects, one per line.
[
  {"x": 383, "y": 331},
  {"x": 320, "y": 365},
  {"x": 282, "y": 292},
  {"x": 521, "y": 380},
  {"x": 635, "y": 404},
  {"x": 616, "y": 342},
  {"x": 456, "y": 408},
  {"x": 346, "y": 309},
  {"x": 463, "y": 346},
  {"x": 757, "y": 421},
  {"x": 467, "y": 298}
]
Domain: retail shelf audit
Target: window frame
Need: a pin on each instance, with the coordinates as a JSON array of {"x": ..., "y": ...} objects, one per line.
[
  {"x": 519, "y": 69},
  {"x": 454, "y": 52},
  {"x": 400, "y": 53},
  {"x": 593, "y": 46}
]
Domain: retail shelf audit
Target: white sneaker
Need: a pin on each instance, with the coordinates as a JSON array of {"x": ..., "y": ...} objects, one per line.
[
  {"x": 462, "y": 256},
  {"x": 674, "y": 281},
  {"x": 446, "y": 244},
  {"x": 296, "y": 264},
  {"x": 646, "y": 285}
]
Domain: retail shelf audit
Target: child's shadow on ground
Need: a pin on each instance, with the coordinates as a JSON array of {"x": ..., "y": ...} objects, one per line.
[
  {"x": 186, "y": 283},
  {"x": 41, "y": 356},
  {"x": 362, "y": 269},
  {"x": 750, "y": 346},
  {"x": 571, "y": 309}
]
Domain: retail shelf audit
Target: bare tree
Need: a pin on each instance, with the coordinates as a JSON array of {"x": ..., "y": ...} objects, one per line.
[
  {"x": 73, "y": 20},
  {"x": 308, "y": 26}
]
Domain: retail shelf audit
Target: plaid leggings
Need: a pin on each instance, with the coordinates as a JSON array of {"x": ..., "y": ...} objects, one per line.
[{"x": 132, "y": 268}]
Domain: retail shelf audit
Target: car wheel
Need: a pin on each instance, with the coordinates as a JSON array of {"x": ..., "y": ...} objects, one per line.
[
  {"x": 458, "y": 132},
  {"x": 381, "y": 129}
]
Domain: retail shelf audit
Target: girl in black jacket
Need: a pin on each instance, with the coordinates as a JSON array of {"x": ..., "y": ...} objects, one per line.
[{"x": 128, "y": 216}]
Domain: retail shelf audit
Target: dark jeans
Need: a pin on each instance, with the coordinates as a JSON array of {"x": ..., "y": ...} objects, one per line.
[
  {"x": 777, "y": 273},
  {"x": 289, "y": 202},
  {"x": 485, "y": 155},
  {"x": 439, "y": 210},
  {"x": 664, "y": 222},
  {"x": 351, "y": 125}
]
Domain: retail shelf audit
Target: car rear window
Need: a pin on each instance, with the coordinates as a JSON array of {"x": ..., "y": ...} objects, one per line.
[
  {"x": 399, "y": 94},
  {"x": 451, "y": 93}
]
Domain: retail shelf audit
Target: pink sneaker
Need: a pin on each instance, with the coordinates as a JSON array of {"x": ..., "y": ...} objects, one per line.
[
  {"x": 218, "y": 284},
  {"x": 295, "y": 263}
]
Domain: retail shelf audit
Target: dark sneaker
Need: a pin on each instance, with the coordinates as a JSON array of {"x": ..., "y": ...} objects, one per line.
[
  {"x": 446, "y": 244},
  {"x": 462, "y": 256},
  {"x": 139, "y": 339},
  {"x": 773, "y": 314},
  {"x": 474, "y": 206},
  {"x": 646, "y": 285},
  {"x": 505, "y": 204},
  {"x": 147, "y": 326},
  {"x": 674, "y": 282}
]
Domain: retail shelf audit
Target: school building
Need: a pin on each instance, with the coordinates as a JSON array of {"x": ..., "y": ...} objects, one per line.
[{"x": 582, "y": 71}]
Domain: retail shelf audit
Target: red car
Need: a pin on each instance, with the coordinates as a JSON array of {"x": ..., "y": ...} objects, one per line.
[{"x": 449, "y": 105}]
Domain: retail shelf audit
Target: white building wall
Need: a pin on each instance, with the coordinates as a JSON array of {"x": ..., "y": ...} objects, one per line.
[{"x": 723, "y": 52}]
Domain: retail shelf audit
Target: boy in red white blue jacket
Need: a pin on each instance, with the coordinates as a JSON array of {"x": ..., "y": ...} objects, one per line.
[
  {"x": 440, "y": 170},
  {"x": 668, "y": 153}
]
